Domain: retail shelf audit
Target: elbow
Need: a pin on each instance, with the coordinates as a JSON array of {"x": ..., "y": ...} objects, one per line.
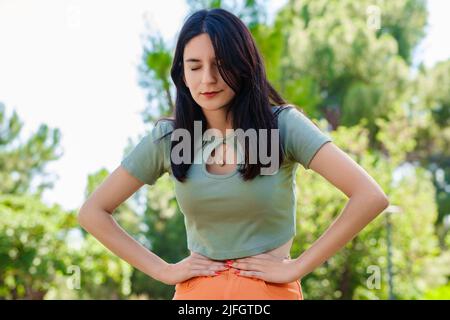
[
  {"x": 384, "y": 200},
  {"x": 90, "y": 215},
  {"x": 377, "y": 199},
  {"x": 82, "y": 218},
  {"x": 381, "y": 201}
]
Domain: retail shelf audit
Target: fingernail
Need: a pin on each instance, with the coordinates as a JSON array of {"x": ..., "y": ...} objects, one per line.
[{"x": 237, "y": 271}]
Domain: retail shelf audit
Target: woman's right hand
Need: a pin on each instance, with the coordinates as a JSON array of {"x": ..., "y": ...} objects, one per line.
[{"x": 192, "y": 266}]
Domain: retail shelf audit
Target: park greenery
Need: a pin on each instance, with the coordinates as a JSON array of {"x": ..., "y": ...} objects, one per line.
[{"x": 350, "y": 66}]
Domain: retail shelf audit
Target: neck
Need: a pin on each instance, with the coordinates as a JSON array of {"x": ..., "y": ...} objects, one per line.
[{"x": 216, "y": 119}]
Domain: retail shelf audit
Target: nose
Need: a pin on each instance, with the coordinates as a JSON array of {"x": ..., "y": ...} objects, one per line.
[{"x": 209, "y": 75}]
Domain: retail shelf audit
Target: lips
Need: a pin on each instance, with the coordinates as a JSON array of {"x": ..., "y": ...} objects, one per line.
[{"x": 210, "y": 94}]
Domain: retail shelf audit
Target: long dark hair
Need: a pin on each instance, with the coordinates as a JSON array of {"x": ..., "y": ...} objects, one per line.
[{"x": 242, "y": 69}]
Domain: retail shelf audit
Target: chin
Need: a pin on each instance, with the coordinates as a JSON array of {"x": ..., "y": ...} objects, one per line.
[{"x": 212, "y": 106}]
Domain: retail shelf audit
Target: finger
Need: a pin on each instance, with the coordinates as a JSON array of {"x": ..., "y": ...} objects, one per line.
[
  {"x": 248, "y": 266},
  {"x": 251, "y": 274},
  {"x": 216, "y": 267},
  {"x": 203, "y": 272},
  {"x": 204, "y": 263}
]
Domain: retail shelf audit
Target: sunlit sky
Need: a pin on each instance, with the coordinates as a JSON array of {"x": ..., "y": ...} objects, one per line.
[{"x": 73, "y": 65}]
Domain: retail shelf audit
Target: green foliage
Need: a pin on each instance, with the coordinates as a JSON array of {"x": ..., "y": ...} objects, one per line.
[
  {"x": 348, "y": 67},
  {"x": 430, "y": 105},
  {"x": 20, "y": 162},
  {"x": 327, "y": 58},
  {"x": 441, "y": 293},
  {"x": 102, "y": 274},
  {"x": 166, "y": 234},
  {"x": 415, "y": 245},
  {"x": 38, "y": 255},
  {"x": 32, "y": 246}
]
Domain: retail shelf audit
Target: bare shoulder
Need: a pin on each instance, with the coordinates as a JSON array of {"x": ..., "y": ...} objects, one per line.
[{"x": 113, "y": 191}]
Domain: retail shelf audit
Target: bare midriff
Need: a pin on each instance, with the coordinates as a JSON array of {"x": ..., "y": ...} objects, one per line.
[{"x": 281, "y": 252}]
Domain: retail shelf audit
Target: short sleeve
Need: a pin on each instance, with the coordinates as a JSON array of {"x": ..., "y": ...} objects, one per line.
[
  {"x": 301, "y": 137},
  {"x": 149, "y": 160}
]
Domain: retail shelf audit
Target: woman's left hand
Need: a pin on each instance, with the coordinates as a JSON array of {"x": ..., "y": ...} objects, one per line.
[{"x": 268, "y": 268}]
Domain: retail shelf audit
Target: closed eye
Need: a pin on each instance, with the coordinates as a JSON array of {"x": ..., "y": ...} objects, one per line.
[{"x": 200, "y": 67}]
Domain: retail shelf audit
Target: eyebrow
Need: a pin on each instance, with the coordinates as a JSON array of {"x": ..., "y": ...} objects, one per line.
[{"x": 196, "y": 60}]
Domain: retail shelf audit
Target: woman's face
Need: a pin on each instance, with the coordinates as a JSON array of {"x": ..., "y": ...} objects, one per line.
[{"x": 201, "y": 74}]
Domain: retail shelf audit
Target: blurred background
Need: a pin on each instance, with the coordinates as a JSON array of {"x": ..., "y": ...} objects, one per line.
[{"x": 81, "y": 82}]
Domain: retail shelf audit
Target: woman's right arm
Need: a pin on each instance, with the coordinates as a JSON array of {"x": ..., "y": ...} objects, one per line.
[{"x": 95, "y": 216}]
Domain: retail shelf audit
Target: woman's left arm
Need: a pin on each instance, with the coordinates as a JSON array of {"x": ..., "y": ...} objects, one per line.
[{"x": 366, "y": 201}]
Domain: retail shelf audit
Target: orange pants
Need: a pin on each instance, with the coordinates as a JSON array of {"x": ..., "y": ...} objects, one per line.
[{"x": 230, "y": 286}]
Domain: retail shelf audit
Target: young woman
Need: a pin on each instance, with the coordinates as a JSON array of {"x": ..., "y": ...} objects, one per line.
[{"x": 240, "y": 223}]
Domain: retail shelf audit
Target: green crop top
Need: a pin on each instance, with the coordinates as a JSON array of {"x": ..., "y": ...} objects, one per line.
[{"x": 226, "y": 217}]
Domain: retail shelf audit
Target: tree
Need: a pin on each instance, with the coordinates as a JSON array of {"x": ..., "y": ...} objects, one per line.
[
  {"x": 32, "y": 246},
  {"x": 330, "y": 58},
  {"x": 416, "y": 253},
  {"x": 334, "y": 63},
  {"x": 430, "y": 105},
  {"x": 20, "y": 163}
]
